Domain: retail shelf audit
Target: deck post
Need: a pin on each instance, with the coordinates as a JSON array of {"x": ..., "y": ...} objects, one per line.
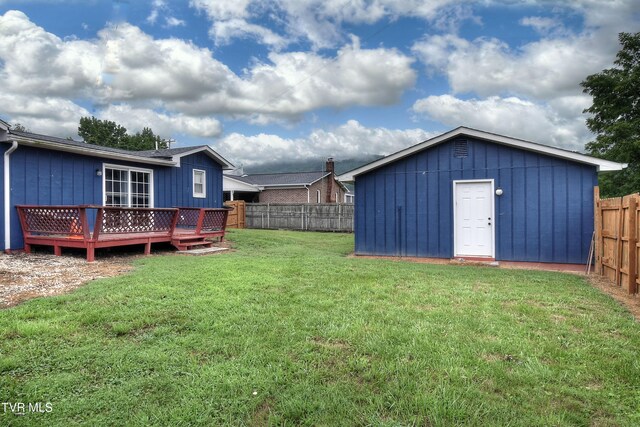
[
  {"x": 200, "y": 222},
  {"x": 98, "y": 225},
  {"x": 82, "y": 211},
  {"x": 147, "y": 248},
  {"x": 91, "y": 252},
  {"x": 57, "y": 250}
]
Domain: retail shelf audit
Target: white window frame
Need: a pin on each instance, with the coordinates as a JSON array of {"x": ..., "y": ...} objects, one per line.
[
  {"x": 203, "y": 194},
  {"x": 129, "y": 169}
]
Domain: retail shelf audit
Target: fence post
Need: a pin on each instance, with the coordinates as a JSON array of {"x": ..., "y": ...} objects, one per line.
[
  {"x": 632, "y": 235},
  {"x": 597, "y": 215},
  {"x": 268, "y": 224},
  {"x": 302, "y": 217},
  {"x": 619, "y": 242}
]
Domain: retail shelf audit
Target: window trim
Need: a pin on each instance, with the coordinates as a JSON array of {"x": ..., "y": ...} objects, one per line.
[
  {"x": 318, "y": 198},
  {"x": 129, "y": 169},
  {"x": 203, "y": 194}
]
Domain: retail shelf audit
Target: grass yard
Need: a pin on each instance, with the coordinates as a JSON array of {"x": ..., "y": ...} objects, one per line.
[{"x": 289, "y": 331}]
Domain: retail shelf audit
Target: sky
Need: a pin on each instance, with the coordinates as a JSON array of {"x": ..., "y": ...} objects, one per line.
[{"x": 286, "y": 80}]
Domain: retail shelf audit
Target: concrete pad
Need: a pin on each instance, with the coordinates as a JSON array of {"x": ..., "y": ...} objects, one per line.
[{"x": 202, "y": 251}]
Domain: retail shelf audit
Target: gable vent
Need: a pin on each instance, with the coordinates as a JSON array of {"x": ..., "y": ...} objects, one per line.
[{"x": 460, "y": 148}]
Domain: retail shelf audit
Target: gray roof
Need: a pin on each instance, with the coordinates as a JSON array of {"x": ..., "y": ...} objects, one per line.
[
  {"x": 165, "y": 155},
  {"x": 282, "y": 179},
  {"x": 168, "y": 153}
]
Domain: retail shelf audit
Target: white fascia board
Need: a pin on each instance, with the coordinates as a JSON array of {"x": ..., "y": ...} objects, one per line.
[
  {"x": 226, "y": 165},
  {"x": 322, "y": 177},
  {"x": 229, "y": 183},
  {"x": 90, "y": 151},
  {"x": 602, "y": 165}
]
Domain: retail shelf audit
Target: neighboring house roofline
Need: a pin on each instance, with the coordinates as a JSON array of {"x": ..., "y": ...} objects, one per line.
[
  {"x": 252, "y": 188},
  {"x": 4, "y": 126},
  {"x": 601, "y": 164}
]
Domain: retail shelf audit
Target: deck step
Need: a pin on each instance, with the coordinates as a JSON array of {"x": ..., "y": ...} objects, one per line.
[{"x": 184, "y": 244}]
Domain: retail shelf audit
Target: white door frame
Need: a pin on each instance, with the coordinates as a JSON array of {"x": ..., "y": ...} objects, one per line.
[{"x": 493, "y": 214}]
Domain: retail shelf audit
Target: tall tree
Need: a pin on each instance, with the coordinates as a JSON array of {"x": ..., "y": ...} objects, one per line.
[
  {"x": 111, "y": 134},
  {"x": 103, "y": 132},
  {"x": 615, "y": 117}
]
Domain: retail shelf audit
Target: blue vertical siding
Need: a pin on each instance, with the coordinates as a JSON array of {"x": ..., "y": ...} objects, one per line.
[
  {"x": 46, "y": 177},
  {"x": 544, "y": 215}
]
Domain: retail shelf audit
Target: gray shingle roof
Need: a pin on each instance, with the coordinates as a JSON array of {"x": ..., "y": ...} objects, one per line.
[
  {"x": 147, "y": 154},
  {"x": 282, "y": 179}
]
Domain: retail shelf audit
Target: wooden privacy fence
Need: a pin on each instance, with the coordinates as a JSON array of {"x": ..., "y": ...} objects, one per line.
[
  {"x": 616, "y": 239},
  {"x": 236, "y": 217},
  {"x": 300, "y": 216}
]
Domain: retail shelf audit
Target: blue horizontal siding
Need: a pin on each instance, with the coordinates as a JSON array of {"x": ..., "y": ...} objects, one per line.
[
  {"x": 45, "y": 177},
  {"x": 544, "y": 215}
]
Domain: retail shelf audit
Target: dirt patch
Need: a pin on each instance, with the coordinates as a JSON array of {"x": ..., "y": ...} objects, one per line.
[
  {"x": 630, "y": 302},
  {"x": 26, "y": 276}
]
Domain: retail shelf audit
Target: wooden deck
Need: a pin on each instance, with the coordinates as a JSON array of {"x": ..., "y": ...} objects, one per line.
[{"x": 69, "y": 227}]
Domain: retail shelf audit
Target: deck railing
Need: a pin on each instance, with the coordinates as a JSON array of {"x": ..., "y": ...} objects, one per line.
[
  {"x": 203, "y": 220},
  {"x": 74, "y": 226}
]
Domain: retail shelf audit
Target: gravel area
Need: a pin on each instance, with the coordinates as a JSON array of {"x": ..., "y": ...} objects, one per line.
[{"x": 35, "y": 275}]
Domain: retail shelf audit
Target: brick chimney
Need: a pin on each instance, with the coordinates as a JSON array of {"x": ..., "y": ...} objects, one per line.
[{"x": 331, "y": 178}]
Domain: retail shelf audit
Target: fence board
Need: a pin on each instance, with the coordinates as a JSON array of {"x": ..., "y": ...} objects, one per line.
[
  {"x": 616, "y": 239},
  {"x": 300, "y": 216},
  {"x": 236, "y": 218}
]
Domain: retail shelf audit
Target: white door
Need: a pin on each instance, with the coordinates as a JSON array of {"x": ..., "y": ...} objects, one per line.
[{"x": 473, "y": 218}]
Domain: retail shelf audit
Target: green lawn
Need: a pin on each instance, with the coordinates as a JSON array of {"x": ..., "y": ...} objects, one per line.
[{"x": 287, "y": 331}]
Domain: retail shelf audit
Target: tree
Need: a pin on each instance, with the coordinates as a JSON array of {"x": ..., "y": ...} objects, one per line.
[
  {"x": 102, "y": 132},
  {"x": 18, "y": 127},
  {"x": 111, "y": 134},
  {"x": 615, "y": 117}
]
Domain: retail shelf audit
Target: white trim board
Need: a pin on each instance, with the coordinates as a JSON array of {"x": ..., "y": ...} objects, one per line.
[{"x": 601, "y": 165}]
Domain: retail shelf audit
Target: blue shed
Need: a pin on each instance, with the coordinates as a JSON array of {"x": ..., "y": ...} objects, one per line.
[
  {"x": 474, "y": 194},
  {"x": 45, "y": 170}
]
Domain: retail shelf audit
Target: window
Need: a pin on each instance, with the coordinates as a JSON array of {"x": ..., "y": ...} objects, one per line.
[
  {"x": 128, "y": 187},
  {"x": 317, "y": 196},
  {"x": 199, "y": 183}
]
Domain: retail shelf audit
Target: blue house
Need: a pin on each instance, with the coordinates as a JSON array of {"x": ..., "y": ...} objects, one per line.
[
  {"x": 44, "y": 170},
  {"x": 474, "y": 194}
]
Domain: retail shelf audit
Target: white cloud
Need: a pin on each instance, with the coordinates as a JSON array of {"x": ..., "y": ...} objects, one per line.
[
  {"x": 543, "y": 25},
  {"x": 351, "y": 140},
  {"x": 542, "y": 69},
  {"x": 223, "y": 32},
  {"x": 512, "y": 117},
  {"x": 47, "y": 115},
  {"x": 320, "y": 22},
  {"x": 174, "y": 22},
  {"x": 165, "y": 125},
  {"x": 174, "y": 76}
]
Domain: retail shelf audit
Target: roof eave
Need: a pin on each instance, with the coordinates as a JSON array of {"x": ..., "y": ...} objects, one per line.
[
  {"x": 600, "y": 164},
  {"x": 226, "y": 165},
  {"x": 89, "y": 151}
]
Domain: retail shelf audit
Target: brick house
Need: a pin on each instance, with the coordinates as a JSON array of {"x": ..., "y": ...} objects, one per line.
[{"x": 294, "y": 187}]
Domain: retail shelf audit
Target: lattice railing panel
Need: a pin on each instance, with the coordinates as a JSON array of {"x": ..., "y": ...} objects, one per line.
[
  {"x": 188, "y": 217},
  {"x": 214, "y": 219},
  {"x": 52, "y": 220},
  {"x": 131, "y": 220}
]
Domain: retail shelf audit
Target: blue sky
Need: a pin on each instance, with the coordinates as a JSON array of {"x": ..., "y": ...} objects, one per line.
[{"x": 271, "y": 81}]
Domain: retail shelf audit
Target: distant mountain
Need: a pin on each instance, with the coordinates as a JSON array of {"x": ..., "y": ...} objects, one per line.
[{"x": 313, "y": 165}]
